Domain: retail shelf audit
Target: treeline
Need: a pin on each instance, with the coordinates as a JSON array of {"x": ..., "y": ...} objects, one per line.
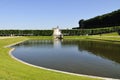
[
  {"x": 95, "y": 31},
  {"x": 106, "y": 20},
  {"x": 26, "y": 32},
  {"x": 66, "y": 32}
]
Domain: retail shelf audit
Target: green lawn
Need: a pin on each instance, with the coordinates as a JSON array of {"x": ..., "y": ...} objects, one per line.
[
  {"x": 111, "y": 34},
  {"x": 109, "y": 37},
  {"x": 11, "y": 69}
]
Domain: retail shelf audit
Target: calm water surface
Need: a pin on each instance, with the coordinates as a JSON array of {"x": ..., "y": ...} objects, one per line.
[{"x": 81, "y": 57}]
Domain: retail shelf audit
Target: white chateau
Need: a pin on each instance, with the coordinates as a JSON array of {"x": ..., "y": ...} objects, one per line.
[{"x": 57, "y": 33}]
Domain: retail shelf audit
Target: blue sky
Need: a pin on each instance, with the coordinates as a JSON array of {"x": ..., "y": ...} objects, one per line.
[{"x": 46, "y": 14}]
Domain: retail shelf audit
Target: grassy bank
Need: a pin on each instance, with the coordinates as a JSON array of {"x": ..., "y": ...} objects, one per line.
[
  {"x": 11, "y": 69},
  {"x": 109, "y": 37}
]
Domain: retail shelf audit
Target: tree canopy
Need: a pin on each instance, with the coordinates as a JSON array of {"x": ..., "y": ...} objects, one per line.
[{"x": 106, "y": 20}]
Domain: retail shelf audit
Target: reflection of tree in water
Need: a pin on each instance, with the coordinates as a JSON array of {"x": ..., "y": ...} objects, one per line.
[
  {"x": 109, "y": 51},
  {"x": 36, "y": 43},
  {"x": 105, "y": 50}
]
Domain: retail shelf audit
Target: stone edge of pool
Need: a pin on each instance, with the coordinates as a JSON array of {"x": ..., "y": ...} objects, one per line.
[{"x": 12, "y": 49}]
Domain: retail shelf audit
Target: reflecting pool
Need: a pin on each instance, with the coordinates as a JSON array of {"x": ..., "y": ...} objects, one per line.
[{"x": 81, "y": 57}]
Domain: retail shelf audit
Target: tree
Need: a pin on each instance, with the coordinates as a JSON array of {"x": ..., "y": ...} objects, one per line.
[
  {"x": 106, "y": 20},
  {"x": 81, "y": 25}
]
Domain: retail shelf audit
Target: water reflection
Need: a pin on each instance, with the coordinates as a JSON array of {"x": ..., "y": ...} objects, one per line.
[
  {"x": 35, "y": 43},
  {"x": 84, "y": 57},
  {"x": 57, "y": 43},
  {"x": 105, "y": 50},
  {"x": 109, "y": 51}
]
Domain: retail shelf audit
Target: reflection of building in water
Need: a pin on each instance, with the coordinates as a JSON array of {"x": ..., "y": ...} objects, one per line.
[
  {"x": 57, "y": 33},
  {"x": 57, "y": 43}
]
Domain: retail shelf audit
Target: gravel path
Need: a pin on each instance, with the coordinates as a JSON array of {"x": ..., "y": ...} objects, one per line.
[{"x": 5, "y": 37}]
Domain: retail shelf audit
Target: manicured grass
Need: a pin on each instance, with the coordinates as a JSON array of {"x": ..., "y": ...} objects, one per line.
[
  {"x": 111, "y": 34},
  {"x": 11, "y": 69},
  {"x": 109, "y": 37},
  {"x": 75, "y": 37}
]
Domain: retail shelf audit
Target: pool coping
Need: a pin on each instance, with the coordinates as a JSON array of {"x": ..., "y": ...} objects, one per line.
[{"x": 82, "y": 75}]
